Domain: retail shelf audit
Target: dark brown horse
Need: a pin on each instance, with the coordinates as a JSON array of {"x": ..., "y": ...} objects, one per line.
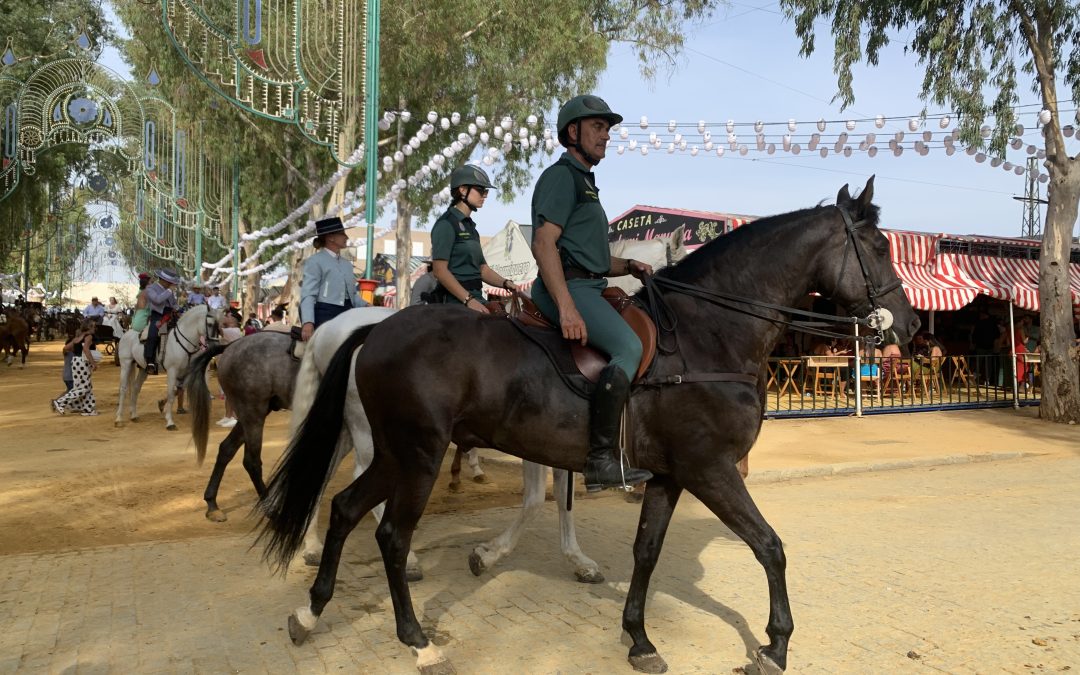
[
  {"x": 14, "y": 337},
  {"x": 438, "y": 375}
]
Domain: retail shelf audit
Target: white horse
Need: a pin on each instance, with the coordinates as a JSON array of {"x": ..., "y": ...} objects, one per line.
[
  {"x": 317, "y": 355},
  {"x": 659, "y": 252},
  {"x": 181, "y": 344}
]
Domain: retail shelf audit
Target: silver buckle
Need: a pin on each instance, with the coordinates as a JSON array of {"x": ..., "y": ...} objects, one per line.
[{"x": 676, "y": 379}]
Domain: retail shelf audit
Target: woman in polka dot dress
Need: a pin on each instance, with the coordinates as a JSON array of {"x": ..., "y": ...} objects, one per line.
[{"x": 81, "y": 397}]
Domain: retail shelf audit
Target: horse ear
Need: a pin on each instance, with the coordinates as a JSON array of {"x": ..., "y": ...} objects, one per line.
[
  {"x": 867, "y": 194},
  {"x": 843, "y": 196},
  {"x": 676, "y": 238}
]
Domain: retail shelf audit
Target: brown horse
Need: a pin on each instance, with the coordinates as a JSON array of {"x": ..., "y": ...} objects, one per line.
[{"x": 14, "y": 337}]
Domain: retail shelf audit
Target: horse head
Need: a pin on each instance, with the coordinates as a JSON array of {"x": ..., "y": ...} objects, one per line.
[
  {"x": 863, "y": 279},
  {"x": 676, "y": 245}
]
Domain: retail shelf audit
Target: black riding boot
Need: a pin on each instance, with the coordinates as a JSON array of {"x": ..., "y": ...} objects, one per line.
[{"x": 603, "y": 465}]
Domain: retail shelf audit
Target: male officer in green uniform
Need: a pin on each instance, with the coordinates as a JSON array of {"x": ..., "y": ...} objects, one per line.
[
  {"x": 456, "y": 254},
  {"x": 570, "y": 244}
]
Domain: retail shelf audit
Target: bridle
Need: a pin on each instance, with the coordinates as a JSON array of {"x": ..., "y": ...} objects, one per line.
[
  {"x": 195, "y": 346},
  {"x": 877, "y": 318}
]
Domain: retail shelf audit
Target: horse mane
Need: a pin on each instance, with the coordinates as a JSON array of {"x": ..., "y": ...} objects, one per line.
[{"x": 700, "y": 262}]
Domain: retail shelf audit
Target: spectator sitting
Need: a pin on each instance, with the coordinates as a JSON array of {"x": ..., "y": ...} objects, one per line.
[
  {"x": 95, "y": 310},
  {"x": 195, "y": 297},
  {"x": 216, "y": 299}
]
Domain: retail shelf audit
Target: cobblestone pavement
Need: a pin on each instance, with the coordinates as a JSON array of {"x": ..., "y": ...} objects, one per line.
[{"x": 965, "y": 568}]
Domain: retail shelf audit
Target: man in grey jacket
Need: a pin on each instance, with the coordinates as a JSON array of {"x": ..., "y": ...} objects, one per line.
[
  {"x": 159, "y": 297},
  {"x": 329, "y": 285}
]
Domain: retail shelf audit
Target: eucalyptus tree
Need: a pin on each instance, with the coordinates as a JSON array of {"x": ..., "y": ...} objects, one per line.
[{"x": 976, "y": 55}]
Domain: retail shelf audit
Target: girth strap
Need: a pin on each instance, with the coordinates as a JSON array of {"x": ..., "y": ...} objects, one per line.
[{"x": 690, "y": 378}]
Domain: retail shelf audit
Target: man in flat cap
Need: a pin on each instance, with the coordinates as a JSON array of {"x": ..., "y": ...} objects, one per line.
[{"x": 329, "y": 285}]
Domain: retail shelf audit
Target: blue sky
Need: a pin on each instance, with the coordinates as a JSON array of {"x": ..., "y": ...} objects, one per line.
[{"x": 744, "y": 65}]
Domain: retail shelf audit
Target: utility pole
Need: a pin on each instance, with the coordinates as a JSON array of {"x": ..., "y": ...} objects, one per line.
[{"x": 1031, "y": 221}]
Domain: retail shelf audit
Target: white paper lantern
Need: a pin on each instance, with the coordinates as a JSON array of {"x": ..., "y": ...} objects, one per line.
[
  {"x": 899, "y": 136},
  {"x": 652, "y": 137},
  {"x": 549, "y": 144},
  {"x": 1019, "y": 171},
  {"x": 949, "y": 150},
  {"x": 399, "y": 157},
  {"x": 871, "y": 138},
  {"x": 948, "y": 140},
  {"x": 644, "y": 150},
  {"x": 913, "y": 124},
  {"x": 384, "y": 125},
  {"x": 414, "y": 142},
  {"x": 671, "y": 125},
  {"x": 657, "y": 143},
  {"x": 719, "y": 152},
  {"x": 824, "y": 152},
  {"x": 898, "y": 150},
  {"x": 671, "y": 148},
  {"x": 678, "y": 138},
  {"x": 821, "y": 124},
  {"x": 624, "y": 133},
  {"x": 791, "y": 124},
  {"x": 523, "y": 132},
  {"x": 507, "y": 123},
  {"x": 1068, "y": 130},
  {"x": 927, "y": 136},
  {"x": 732, "y": 138},
  {"x": 706, "y": 136},
  {"x": 919, "y": 145},
  {"x": 507, "y": 145},
  {"x": 408, "y": 150},
  {"x": 1044, "y": 116},
  {"x": 743, "y": 150},
  {"x": 428, "y": 128},
  {"x": 472, "y": 128},
  {"x": 758, "y": 126},
  {"x": 701, "y": 126},
  {"x": 708, "y": 146},
  {"x": 871, "y": 151},
  {"x": 1041, "y": 154},
  {"x": 682, "y": 145},
  {"x": 481, "y": 121},
  {"x": 498, "y": 131},
  {"x": 985, "y": 131},
  {"x": 644, "y": 123},
  {"x": 1031, "y": 149},
  {"x": 862, "y": 146},
  {"x": 349, "y": 196},
  {"x": 531, "y": 120},
  {"x": 795, "y": 149},
  {"x": 533, "y": 140},
  {"x": 847, "y": 152},
  {"x": 850, "y": 125},
  {"x": 484, "y": 137},
  {"x": 760, "y": 142},
  {"x": 525, "y": 144},
  {"x": 771, "y": 149},
  {"x": 730, "y": 126},
  {"x": 487, "y": 160},
  {"x": 444, "y": 124},
  {"x": 1043, "y": 178},
  {"x": 448, "y": 152},
  {"x": 388, "y": 163},
  {"x": 879, "y": 121},
  {"x": 632, "y": 144},
  {"x": 980, "y": 157},
  {"x": 787, "y": 142},
  {"x": 944, "y": 122},
  {"x": 620, "y": 149},
  {"x": 971, "y": 150},
  {"x": 547, "y": 133},
  {"x": 432, "y": 116}
]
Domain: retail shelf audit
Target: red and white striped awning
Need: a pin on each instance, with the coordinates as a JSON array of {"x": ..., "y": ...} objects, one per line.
[{"x": 948, "y": 281}]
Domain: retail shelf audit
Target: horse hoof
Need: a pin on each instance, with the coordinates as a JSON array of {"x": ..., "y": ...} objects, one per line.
[
  {"x": 476, "y": 564},
  {"x": 161, "y": 405},
  {"x": 589, "y": 576},
  {"x": 297, "y": 633},
  {"x": 414, "y": 574},
  {"x": 181, "y": 411},
  {"x": 648, "y": 663},
  {"x": 216, "y": 515},
  {"x": 171, "y": 427},
  {"x": 634, "y": 497},
  {"x": 443, "y": 667},
  {"x": 312, "y": 558},
  {"x": 481, "y": 478},
  {"x": 430, "y": 661},
  {"x": 118, "y": 424},
  {"x": 454, "y": 487},
  {"x": 765, "y": 664}
]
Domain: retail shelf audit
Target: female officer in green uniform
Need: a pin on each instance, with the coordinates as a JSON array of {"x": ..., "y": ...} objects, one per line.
[
  {"x": 456, "y": 255},
  {"x": 571, "y": 248}
]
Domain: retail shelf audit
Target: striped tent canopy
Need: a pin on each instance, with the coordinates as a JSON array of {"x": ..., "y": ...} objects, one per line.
[{"x": 945, "y": 273}]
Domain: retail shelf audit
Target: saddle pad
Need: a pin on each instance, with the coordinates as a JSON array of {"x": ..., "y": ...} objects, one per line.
[{"x": 554, "y": 346}]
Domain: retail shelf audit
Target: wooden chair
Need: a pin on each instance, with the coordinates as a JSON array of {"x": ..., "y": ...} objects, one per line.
[
  {"x": 930, "y": 377},
  {"x": 870, "y": 379},
  {"x": 895, "y": 375},
  {"x": 826, "y": 370},
  {"x": 960, "y": 371}
]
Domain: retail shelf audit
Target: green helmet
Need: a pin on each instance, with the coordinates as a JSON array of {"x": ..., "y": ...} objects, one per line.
[
  {"x": 584, "y": 106},
  {"x": 467, "y": 174}
]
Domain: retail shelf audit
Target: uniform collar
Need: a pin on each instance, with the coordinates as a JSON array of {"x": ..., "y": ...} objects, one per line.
[
  {"x": 455, "y": 216},
  {"x": 331, "y": 253},
  {"x": 574, "y": 162}
]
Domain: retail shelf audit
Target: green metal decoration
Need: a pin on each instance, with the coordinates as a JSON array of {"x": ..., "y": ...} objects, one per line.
[{"x": 286, "y": 60}]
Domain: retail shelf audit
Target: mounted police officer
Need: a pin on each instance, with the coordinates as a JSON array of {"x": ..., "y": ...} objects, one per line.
[
  {"x": 456, "y": 255},
  {"x": 570, "y": 243},
  {"x": 329, "y": 285},
  {"x": 159, "y": 297}
]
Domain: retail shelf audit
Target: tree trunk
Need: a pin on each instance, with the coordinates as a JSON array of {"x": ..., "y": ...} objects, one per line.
[
  {"x": 403, "y": 229},
  {"x": 1060, "y": 384},
  {"x": 249, "y": 295}
]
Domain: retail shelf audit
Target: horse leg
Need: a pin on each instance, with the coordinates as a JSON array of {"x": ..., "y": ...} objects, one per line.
[
  {"x": 140, "y": 377},
  {"x": 455, "y": 470},
  {"x": 724, "y": 492},
  {"x": 253, "y": 436},
  {"x": 478, "y": 474},
  {"x": 226, "y": 451},
  {"x": 486, "y": 555},
  {"x": 171, "y": 388},
  {"x": 346, "y": 510},
  {"x": 125, "y": 376},
  {"x": 394, "y": 536},
  {"x": 585, "y": 568},
  {"x": 661, "y": 496}
]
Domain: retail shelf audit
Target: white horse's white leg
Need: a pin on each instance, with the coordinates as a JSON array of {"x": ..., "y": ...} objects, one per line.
[
  {"x": 140, "y": 377},
  {"x": 585, "y": 568},
  {"x": 125, "y": 372},
  {"x": 170, "y": 398},
  {"x": 473, "y": 457},
  {"x": 486, "y": 555}
]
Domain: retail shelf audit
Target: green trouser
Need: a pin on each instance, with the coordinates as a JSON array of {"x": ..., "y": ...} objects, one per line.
[{"x": 607, "y": 331}]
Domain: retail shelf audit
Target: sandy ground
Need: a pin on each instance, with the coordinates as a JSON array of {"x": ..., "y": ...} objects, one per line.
[{"x": 76, "y": 482}]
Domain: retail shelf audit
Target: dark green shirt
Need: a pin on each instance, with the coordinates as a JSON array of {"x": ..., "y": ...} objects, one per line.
[
  {"x": 455, "y": 240},
  {"x": 566, "y": 195}
]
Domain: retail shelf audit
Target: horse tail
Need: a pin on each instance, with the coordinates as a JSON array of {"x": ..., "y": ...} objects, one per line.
[
  {"x": 199, "y": 399},
  {"x": 303, "y": 471}
]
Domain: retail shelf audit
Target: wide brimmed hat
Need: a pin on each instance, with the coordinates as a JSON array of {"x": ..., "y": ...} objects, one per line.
[
  {"x": 328, "y": 226},
  {"x": 166, "y": 274}
]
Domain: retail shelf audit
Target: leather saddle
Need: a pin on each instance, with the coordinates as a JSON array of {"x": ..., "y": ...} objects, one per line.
[{"x": 589, "y": 361}]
